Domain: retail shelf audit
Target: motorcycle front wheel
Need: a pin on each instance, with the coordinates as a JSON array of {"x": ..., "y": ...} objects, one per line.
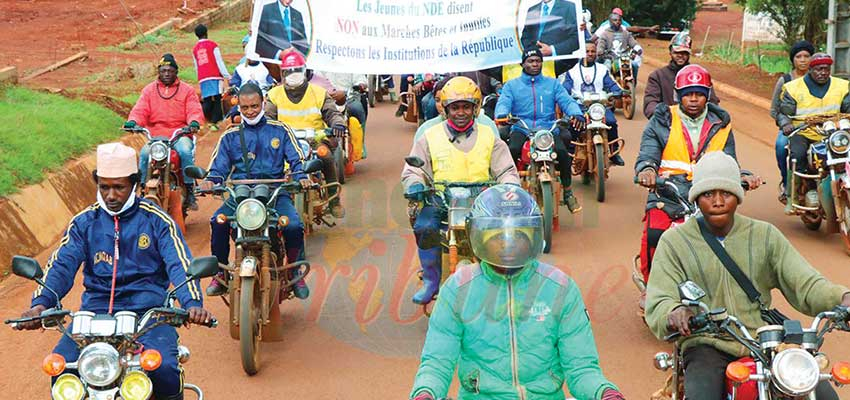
[
  {"x": 600, "y": 172},
  {"x": 548, "y": 214},
  {"x": 249, "y": 325},
  {"x": 339, "y": 161}
]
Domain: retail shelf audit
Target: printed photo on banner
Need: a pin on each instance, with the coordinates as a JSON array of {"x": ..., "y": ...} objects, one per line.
[
  {"x": 553, "y": 26},
  {"x": 278, "y": 25}
]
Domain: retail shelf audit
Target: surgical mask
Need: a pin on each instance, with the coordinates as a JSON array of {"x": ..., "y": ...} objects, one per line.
[
  {"x": 129, "y": 203},
  {"x": 295, "y": 79},
  {"x": 255, "y": 120}
]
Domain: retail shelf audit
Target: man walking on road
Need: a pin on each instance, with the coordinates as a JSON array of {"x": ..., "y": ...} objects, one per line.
[{"x": 211, "y": 72}]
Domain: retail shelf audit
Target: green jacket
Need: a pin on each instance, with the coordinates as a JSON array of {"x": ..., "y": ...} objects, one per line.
[
  {"x": 762, "y": 253},
  {"x": 511, "y": 337}
]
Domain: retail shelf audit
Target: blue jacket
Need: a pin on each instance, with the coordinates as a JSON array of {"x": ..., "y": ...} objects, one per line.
[
  {"x": 270, "y": 146},
  {"x": 533, "y": 99},
  {"x": 151, "y": 255}
]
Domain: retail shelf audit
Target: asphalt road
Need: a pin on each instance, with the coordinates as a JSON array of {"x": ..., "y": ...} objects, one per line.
[{"x": 359, "y": 336}]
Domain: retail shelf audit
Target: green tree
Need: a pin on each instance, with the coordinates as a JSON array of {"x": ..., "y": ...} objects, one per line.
[
  {"x": 652, "y": 12},
  {"x": 795, "y": 18}
]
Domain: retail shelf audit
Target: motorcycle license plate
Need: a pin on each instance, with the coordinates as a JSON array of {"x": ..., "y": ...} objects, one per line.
[{"x": 543, "y": 156}]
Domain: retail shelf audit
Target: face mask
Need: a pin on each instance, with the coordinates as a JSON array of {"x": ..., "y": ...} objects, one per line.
[
  {"x": 127, "y": 204},
  {"x": 255, "y": 120},
  {"x": 295, "y": 79}
]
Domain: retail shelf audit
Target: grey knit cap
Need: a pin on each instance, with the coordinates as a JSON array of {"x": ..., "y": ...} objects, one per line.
[{"x": 716, "y": 171}]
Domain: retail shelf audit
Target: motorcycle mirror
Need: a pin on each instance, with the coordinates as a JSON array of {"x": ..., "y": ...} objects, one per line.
[
  {"x": 414, "y": 162},
  {"x": 26, "y": 267},
  {"x": 195, "y": 172},
  {"x": 689, "y": 290},
  {"x": 311, "y": 166},
  {"x": 203, "y": 267}
]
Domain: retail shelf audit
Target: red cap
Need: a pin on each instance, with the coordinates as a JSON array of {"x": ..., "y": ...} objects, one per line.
[
  {"x": 292, "y": 59},
  {"x": 820, "y": 59},
  {"x": 693, "y": 76},
  {"x": 617, "y": 11}
]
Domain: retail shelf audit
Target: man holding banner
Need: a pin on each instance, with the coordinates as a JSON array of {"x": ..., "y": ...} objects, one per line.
[
  {"x": 551, "y": 26},
  {"x": 281, "y": 27}
]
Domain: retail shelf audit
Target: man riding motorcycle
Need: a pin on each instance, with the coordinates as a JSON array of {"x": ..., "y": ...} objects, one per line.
[
  {"x": 660, "y": 86},
  {"x": 456, "y": 150},
  {"x": 606, "y": 46},
  {"x": 673, "y": 141},
  {"x": 268, "y": 144},
  {"x": 302, "y": 105},
  {"x": 764, "y": 256},
  {"x": 252, "y": 70},
  {"x": 164, "y": 106},
  {"x": 592, "y": 77},
  {"x": 541, "y": 324},
  {"x": 816, "y": 93},
  {"x": 532, "y": 98},
  {"x": 131, "y": 251}
]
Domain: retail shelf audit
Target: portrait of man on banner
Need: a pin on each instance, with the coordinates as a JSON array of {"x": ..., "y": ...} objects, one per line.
[
  {"x": 279, "y": 25},
  {"x": 551, "y": 26}
]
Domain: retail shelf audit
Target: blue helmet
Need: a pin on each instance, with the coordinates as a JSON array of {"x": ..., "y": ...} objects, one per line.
[{"x": 505, "y": 227}]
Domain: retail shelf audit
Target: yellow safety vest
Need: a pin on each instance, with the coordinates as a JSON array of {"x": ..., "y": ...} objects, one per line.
[
  {"x": 676, "y": 158},
  {"x": 452, "y": 165},
  {"x": 807, "y": 104},
  {"x": 511, "y": 71},
  {"x": 303, "y": 115}
]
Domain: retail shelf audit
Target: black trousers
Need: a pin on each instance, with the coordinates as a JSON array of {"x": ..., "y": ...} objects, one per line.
[
  {"x": 705, "y": 375},
  {"x": 212, "y": 109},
  {"x": 799, "y": 150},
  {"x": 565, "y": 162}
]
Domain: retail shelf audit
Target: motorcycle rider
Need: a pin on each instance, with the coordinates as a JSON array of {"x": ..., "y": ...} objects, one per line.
[
  {"x": 252, "y": 70},
  {"x": 456, "y": 150},
  {"x": 302, "y": 105},
  {"x": 131, "y": 251},
  {"x": 270, "y": 145},
  {"x": 165, "y": 105},
  {"x": 533, "y": 97},
  {"x": 543, "y": 314},
  {"x": 614, "y": 36},
  {"x": 593, "y": 77},
  {"x": 764, "y": 255},
  {"x": 674, "y": 139},
  {"x": 660, "y": 86},
  {"x": 816, "y": 93},
  {"x": 357, "y": 106}
]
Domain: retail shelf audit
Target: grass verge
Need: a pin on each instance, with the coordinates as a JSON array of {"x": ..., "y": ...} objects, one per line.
[
  {"x": 771, "y": 58},
  {"x": 40, "y": 132}
]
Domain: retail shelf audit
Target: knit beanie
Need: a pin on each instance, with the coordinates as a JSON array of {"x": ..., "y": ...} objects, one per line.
[
  {"x": 716, "y": 171},
  {"x": 802, "y": 45}
]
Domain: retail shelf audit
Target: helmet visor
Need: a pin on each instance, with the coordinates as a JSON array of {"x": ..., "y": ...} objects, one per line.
[{"x": 510, "y": 242}]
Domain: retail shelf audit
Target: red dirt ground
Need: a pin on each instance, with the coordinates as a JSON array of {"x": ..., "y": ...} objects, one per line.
[{"x": 38, "y": 33}]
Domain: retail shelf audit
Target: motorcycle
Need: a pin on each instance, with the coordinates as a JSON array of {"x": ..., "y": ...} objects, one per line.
[
  {"x": 377, "y": 89},
  {"x": 488, "y": 105},
  {"x": 260, "y": 276},
  {"x": 784, "y": 360},
  {"x": 621, "y": 71},
  {"x": 593, "y": 153},
  {"x": 539, "y": 173},
  {"x": 455, "y": 201},
  {"x": 823, "y": 192},
  {"x": 314, "y": 205},
  {"x": 112, "y": 363},
  {"x": 344, "y": 152},
  {"x": 165, "y": 185}
]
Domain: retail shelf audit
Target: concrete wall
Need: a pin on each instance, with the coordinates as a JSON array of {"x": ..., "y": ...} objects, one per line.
[{"x": 234, "y": 10}]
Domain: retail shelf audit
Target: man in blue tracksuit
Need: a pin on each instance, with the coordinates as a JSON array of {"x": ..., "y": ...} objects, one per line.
[
  {"x": 268, "y": 145},
  {"x": 131, "y": 251},
  {"x": 532, "y": 97}
]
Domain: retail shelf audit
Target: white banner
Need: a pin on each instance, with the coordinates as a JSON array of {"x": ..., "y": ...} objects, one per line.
[{"x": 414, "y": 36}]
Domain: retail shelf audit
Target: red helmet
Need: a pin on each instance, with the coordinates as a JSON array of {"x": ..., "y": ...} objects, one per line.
[
  {"x": 292, "y": 60},
  {"x": 693, "y": 76},
  {"x": 618, "y": 11}
]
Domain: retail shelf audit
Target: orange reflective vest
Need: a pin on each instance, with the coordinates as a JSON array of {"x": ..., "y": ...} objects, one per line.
[{"x": 680, "y": 155}]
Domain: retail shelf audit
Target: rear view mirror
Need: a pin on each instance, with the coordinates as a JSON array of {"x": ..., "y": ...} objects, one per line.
[
  {"x": 312, "y": 166},
  {"x": 203, "y": 267},
  {"x": 414, "y": 161},
  {"x": 195, "y": 172},
  {"x": 689, "y": 290},
  {"x": 26, "y": 267}
]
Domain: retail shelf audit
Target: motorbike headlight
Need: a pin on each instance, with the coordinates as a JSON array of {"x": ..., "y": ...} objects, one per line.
[
  {"x": 839, "y": 142},
  {"x": 543, "y": 140},
  {"x": 159, "y": 151},
  {"x": 68, "y": 387},
  {"x": 136, "y": 386},
  {"x": 98, "y": 364},
  {"x": 596, "y": 112},
  {"x": 795, "y": 372},
  {"x": 251, "y": 214}
]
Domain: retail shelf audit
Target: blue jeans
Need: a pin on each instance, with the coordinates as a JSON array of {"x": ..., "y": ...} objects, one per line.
[
  {"x": 167, "y": 379},
  {"x": 782, "y": 155},
  {"x": 293, "y": 234},
  {"x": 185, "y": 149},
  {"x": 429, "y": 106},
  {"x": 404, "y": 86}
]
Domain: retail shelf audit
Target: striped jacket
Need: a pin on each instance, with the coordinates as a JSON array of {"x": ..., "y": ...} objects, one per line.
[{"x": 152, "y": 254}]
